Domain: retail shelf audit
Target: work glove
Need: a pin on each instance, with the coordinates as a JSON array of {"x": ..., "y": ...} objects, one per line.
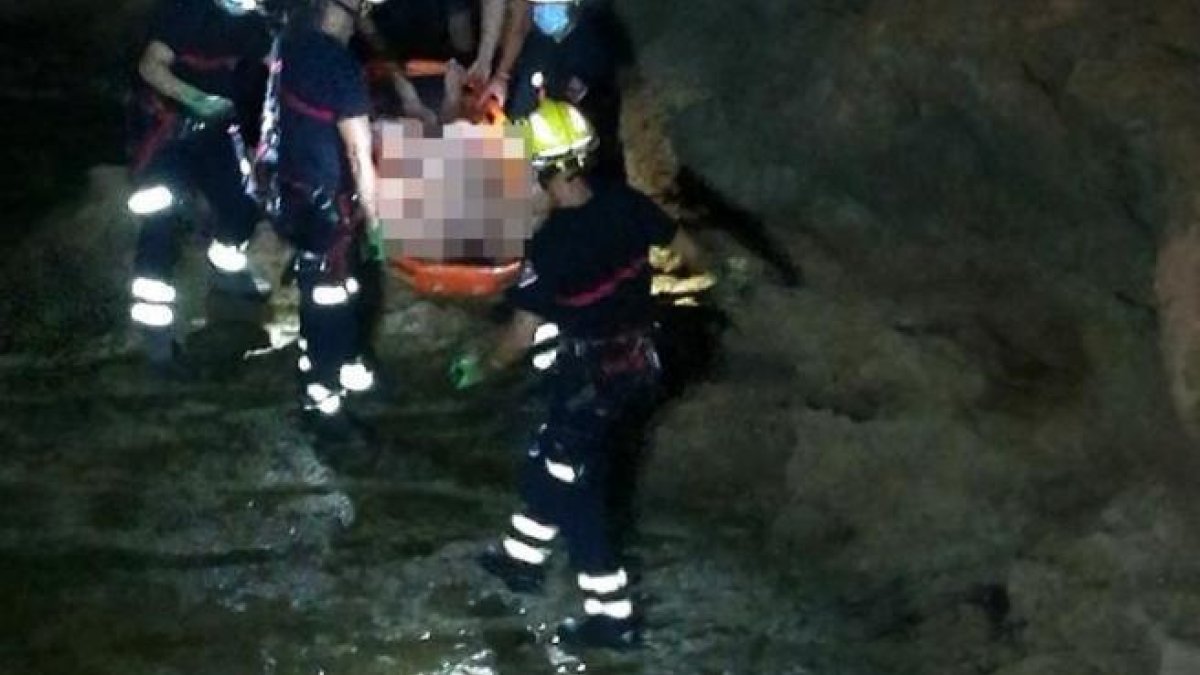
[
  {"x": 736, "y": 272},
  {"x": 209, "y": 106},
  {"x": 375, "y": 250},
  {"x": 737, "y": 277},
  {"x": 466, "y": 371}
]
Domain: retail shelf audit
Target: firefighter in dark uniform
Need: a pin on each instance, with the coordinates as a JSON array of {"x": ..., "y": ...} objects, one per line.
[
  {"x": 586, "y": 271},
  {"x": 327, "y": 200},
  {"x": 567, "y": 50},
  {"x": 185, "y": 139}
]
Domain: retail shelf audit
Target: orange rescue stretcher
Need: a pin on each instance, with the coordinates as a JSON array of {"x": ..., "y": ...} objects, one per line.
[
  {"x": 448, "y": 278},
  {"x": 670, "y": 282}
]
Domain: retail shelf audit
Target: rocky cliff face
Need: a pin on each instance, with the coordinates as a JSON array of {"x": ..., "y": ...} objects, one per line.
[{"x": 962, "y": 421}]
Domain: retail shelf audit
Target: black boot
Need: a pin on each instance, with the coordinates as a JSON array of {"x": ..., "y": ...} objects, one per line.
[
  {"x": 518, "y": 576},
  {"x": 165, "y": 357},
  {"x": 247, "y": 285},
  {"x": 599, "y": 631},
  {"x": 341, "y": 441},
  {"x": 338, "y": 427}
]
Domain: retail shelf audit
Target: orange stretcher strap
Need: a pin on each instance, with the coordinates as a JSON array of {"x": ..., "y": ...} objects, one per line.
[
  {"x": 424, "y": 68},
  {"x": 379, "y": 69},
  {"x": 455, "y": 280}
]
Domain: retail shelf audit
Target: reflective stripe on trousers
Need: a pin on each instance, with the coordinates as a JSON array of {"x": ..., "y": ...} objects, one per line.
[{"x": 153, "y": 303}]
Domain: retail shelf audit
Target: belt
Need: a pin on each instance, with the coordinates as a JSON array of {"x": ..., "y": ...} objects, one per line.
[{"x": 584, "y": 346}]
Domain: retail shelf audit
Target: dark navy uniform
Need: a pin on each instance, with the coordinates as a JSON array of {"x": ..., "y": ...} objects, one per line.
[
  {"x": 321, "y": 84},
  {"x": 588, "y": 272},
  {"x": 176, "y": 154},
  {"x": 592, "y": 53}
]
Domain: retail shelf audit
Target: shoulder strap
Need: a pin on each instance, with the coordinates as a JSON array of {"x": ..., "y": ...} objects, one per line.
[{"x": 266, "y": 156}]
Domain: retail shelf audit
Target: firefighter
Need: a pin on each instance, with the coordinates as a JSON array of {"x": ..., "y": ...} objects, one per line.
[
  {"x": 587, "y": 273},
  {"x": 568, "y": 50},
  {"x": 327, "y": 202},
  {"x": 185, "y": 139}
]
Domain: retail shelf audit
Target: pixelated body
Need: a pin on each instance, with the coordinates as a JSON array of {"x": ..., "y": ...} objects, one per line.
[{"x": 466, "y": 195}]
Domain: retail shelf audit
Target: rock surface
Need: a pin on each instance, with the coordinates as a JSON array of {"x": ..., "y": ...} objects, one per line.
[{"x": 961, "y": 432}]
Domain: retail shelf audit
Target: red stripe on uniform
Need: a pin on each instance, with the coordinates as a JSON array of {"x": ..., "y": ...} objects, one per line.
[
  {"x": 202, "y": 62},
  {"x": 606, "y": 287},
  {"x": 304, "y": 108},
  {"x": 165, "y": 119}
]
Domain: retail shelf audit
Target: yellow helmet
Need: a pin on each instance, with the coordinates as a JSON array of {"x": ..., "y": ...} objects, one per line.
[{"x": 558, "y": 136}]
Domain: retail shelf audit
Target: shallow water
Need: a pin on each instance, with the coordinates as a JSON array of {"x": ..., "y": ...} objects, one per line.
[{"x": 150, "y": 529}]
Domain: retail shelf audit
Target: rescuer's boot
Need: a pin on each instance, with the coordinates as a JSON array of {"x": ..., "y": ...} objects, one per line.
[{"x": 518, "y": 576}]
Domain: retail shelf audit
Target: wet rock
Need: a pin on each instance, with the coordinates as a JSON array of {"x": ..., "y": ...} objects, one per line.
[
  {"x": 67, "y": 286},
  {"x": 1179, "y": 658}
]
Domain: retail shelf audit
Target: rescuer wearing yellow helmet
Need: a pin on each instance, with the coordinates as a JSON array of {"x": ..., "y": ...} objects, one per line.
[
  {"x": 570, "y": 50},
  {"x": 587, "y": 273}
]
